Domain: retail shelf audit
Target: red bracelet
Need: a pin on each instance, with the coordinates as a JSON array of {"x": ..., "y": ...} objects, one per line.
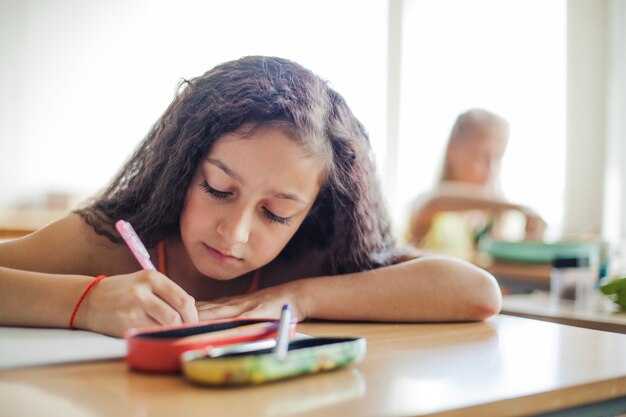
[{"x": 82, "y": 297}]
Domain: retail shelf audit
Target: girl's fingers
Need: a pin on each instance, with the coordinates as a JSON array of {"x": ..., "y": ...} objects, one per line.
[
  {"x": 160, "y": 311},
  {"x": 258, "y": 314},
  {"x": 265, "y": 304},
  {"x": 219, "y": 312},
  {"x": 205, "y": 305},
  {"x": 173, "y": 295}
]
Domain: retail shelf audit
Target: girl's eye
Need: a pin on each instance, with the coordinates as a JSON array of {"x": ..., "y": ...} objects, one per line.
[
  {"x": 213, "y": 192},
  {"x": 224, "y": 194},
  {"x": 274, "y": 218}
]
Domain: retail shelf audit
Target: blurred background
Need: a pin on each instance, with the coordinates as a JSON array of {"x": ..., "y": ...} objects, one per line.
[{"x": 82, "y": 82}]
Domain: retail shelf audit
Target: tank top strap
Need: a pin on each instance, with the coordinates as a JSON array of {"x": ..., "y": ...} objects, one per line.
[
  {"x": 254, "y": 285},
  {"x": 162, "y": 266}
]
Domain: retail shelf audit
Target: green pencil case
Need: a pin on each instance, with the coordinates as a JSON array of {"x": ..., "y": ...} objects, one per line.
[
  {"x": 537, "y": 252},
  {"x": 305, "y": 356}
]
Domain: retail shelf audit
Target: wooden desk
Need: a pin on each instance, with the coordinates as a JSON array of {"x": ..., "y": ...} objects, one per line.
[
  {"x": 601, "y": 315},
  {"x": 519, "y": 277},
  {"x": 17, "y": 223},
  {"x": 506, "y": 366}
]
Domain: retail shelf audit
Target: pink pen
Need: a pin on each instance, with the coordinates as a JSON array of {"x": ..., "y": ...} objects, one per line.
[{"x": 134, "y": 243}]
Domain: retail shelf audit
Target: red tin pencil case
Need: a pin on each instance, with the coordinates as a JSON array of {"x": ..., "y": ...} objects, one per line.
[{"x": 158, "y": 349}]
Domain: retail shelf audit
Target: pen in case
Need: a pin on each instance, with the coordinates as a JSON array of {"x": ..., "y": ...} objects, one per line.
[
  {"x": 282, "y": 339},
  {"x": 242, "y": 348}
]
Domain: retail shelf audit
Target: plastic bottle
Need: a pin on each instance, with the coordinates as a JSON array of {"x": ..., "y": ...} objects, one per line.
[{"x": 572, "y": 280}]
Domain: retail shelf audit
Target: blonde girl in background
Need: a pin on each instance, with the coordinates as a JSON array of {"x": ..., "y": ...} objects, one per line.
[{"x": 468, "y": 200}]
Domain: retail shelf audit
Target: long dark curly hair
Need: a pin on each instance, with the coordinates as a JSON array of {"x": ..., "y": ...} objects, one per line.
[{"x": 348, "y": 221}]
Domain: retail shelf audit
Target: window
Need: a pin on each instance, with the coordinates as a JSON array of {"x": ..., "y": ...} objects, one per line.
[{"x": 505, "y": 56}]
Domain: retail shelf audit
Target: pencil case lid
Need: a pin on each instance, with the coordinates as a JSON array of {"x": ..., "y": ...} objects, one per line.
[{"x": 158, "y": 348}]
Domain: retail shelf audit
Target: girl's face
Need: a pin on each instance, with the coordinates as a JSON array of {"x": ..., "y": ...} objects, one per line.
[
  {"x": 476, "y": 158},
  {"x": 247, "y": 198}
]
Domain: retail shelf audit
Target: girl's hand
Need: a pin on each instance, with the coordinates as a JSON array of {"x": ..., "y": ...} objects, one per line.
[
  {"x": 143, "y": 298},
  {"x": 535, "y": 224},
  {"x": 266, "y": 303}
]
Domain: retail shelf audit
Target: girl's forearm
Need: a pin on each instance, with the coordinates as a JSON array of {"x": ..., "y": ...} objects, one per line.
[
  {"x": 431, "y": 288},
  {"x": 37, "y": 299}
]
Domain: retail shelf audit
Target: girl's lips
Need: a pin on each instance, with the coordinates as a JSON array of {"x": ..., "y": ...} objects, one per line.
[{"x": 222, "y": 257}]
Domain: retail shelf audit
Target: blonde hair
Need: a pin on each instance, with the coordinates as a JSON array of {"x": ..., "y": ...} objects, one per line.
[
  {"x": 471, "y": 121},
  {"x": 475, "y": 119}
]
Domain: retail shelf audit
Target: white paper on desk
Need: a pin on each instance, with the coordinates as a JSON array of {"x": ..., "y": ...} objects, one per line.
[{"x": 25, "y": 346}]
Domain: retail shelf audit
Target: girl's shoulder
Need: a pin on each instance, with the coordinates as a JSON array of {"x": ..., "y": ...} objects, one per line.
[{"x": 66, "y": 246}]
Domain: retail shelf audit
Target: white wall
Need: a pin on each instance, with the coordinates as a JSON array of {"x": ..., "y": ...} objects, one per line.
[
  {"x": 82, "y": 81},
  {"x": 614, "y": 221},
  {"x": 587, "y": 38},
  {"x": 596, "y": 149}
]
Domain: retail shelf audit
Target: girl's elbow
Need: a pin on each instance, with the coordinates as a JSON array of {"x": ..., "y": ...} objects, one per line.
[
  {"x": 487, "y": 309},
  {"x": 488, "y": 301}
]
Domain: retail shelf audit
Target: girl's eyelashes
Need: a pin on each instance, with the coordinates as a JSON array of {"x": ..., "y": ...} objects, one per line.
[
  {"x": 224, "y": 194},
  {"x": 213, "y": 192},
  {"x": 274, "y": 218}
]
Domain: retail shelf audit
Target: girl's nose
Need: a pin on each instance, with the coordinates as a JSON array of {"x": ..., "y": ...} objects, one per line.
[{"x": 235, "y": 226}]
